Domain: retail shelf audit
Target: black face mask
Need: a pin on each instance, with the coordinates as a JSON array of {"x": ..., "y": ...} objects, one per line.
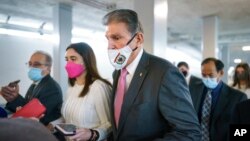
[
  {"x": 241, "y": 76},
  {"x": 184, "y": 73}
]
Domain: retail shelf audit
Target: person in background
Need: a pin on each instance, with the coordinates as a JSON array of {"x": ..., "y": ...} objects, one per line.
[
  {"x": 44, "y": 87},
  {"x": 214, "y": 101},
  {"x": 87, "y": 99},
  {"x": 150, "y": 98},
  {"x": 241, "y": 78},
  {"x": 241, "y": 114},
  {"x": 184, "y": 69}
]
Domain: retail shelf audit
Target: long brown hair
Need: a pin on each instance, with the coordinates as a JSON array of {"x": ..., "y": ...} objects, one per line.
[
  {"x": 236, "y": 80},
  {"x": 89, "y": 59}
]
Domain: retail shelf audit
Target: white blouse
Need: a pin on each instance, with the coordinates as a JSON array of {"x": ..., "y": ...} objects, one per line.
[
  {"x": 243, "y": 89},
  {"x": 92, "y": 110}
]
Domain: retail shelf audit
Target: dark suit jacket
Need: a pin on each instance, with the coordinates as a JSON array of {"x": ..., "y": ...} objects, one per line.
[
  {"x": 50, "y": 95},
  {"x": 193, "y": 80},
  {"x": 241, "y": 114},
  {"x": 228, "y": 98},
  {"x": 157, "y": 105}
]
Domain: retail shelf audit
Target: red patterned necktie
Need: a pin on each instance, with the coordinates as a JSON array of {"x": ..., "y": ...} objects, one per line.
[{"x": 121, "y": 88}]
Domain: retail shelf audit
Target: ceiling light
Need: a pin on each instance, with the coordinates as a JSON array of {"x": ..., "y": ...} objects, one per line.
[
  {"x": 25, "y": 22},
  {"x": 33, "y": 35},
  {"x": 237, "y": 61},
  {"x": 161, "y": 10},
  {"x": 246, "y": 48}
]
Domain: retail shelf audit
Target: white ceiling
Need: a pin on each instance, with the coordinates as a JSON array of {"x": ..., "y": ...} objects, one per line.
[{"x": 184, "y": 18}]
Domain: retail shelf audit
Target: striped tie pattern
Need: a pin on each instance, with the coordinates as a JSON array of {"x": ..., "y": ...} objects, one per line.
[{"x": 205, "y": 117}]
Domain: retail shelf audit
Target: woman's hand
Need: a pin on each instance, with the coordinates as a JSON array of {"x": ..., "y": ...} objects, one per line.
[
  {"x": 82, "y": 134},
  {"x": 33, "y": 118}
]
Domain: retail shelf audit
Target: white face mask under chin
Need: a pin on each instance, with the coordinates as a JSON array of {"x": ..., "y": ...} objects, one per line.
[{"x": 119, "y": 57}]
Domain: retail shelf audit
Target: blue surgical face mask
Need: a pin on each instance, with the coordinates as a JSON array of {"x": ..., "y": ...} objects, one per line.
[
  {"x": 210, "y": 83},
  {"x": 35, "y": 74}
]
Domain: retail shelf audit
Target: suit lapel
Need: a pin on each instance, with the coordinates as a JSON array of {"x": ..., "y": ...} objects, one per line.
[
  {"x": 196, "y": 93},
  {"x": 40, "y": 86},
  {"x": 133, "y": 90},
  {"x": 221, "y": 103}
]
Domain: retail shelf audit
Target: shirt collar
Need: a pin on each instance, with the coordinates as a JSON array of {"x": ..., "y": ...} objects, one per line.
[
  {"x": 188, "y": 78},
  {"x": 217, "y": 88},
  {"x": 133, "y": 65}
]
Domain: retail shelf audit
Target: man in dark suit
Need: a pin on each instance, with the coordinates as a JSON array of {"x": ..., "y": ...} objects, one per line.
[
  {"x": 44, "y": 87},
  {"x": 241, "y": 114},
  {"x": 150, "y": 99},
  {"x": 184, "y": 69},
  {"x": 214, "y": 124}
]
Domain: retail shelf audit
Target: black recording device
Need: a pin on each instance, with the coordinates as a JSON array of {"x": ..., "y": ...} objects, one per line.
[{"x": 14, "y": 83}]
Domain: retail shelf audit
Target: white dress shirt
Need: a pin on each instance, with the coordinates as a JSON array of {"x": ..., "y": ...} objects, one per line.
[{"x": 132, "y": 67}]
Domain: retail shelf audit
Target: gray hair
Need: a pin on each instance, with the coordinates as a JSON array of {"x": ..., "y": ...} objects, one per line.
[
  {"x": 47, "y": 56},
  {"x": 127, "y": 16}
]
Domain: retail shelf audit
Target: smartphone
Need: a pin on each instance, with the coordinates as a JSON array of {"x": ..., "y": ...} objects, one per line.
[
  {"x": 14, "y": 83},
  {"x": 66, "y": 129}
]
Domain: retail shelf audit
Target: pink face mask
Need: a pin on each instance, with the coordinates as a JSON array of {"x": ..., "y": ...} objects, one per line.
[{"x": 74, "y": 70}]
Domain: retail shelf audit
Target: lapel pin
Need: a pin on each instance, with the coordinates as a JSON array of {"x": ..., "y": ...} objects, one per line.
[{"x": 140, "y": 74}]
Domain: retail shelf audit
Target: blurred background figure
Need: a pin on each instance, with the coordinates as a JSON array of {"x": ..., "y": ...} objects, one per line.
[
  {"x": 20, "y": 129},
  {"x": 3, "y": 113},
  {"x": 43, "y": 87},
  {"x": 184, "y": 69},
  {"x": 241, "y": 78},
  {"x": 241, "y": 114},
  {"x": 214, "y": 101}
]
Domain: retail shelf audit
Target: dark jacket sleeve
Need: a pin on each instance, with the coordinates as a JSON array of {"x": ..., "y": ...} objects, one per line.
[
  {"x": 19, "y": 101},
  {"x": 176, "y": 106},
  {"x": 51, "y": 98}
]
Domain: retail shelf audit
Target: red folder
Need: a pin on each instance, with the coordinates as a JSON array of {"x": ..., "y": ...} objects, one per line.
[{"x": 34, "y": 108}]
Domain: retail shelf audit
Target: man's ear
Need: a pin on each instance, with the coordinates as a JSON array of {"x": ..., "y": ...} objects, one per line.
[
  {"x": 48, "y": 70},
  {"x": 221, "y": 73},
  {"x": 140, "y": 39}
]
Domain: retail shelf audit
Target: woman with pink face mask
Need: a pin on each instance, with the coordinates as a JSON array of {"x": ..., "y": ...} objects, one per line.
[{"x": 87, "y": 99}]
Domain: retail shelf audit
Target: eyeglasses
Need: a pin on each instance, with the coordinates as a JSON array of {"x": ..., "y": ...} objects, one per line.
[{"x": 35, "y": 64}]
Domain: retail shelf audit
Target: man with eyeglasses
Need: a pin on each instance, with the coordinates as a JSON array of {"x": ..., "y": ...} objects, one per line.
[{"x": 44, "y": 87}]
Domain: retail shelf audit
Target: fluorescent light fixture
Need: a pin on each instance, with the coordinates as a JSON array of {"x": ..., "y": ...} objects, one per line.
[
  {"x": 25, "y": 23},
  {"x": 33, "y": 35},
  {"x": 246, "y": 48},
  {"x": 161, "y": 10},
  {"x": 48, "y": 26},
  {"x": 237, "y": 61}
]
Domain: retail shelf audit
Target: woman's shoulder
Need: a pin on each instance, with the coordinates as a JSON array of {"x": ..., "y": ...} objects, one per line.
[
  {"x": 99, "y": 86},
  {"x": 99, "y": 82}
]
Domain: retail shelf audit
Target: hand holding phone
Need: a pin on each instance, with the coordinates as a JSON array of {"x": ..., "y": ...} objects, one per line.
[
  {"x": 14, "y": 83},
  {"x": 66, "y": 129},
  {"x": 10, "y": 92}
]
